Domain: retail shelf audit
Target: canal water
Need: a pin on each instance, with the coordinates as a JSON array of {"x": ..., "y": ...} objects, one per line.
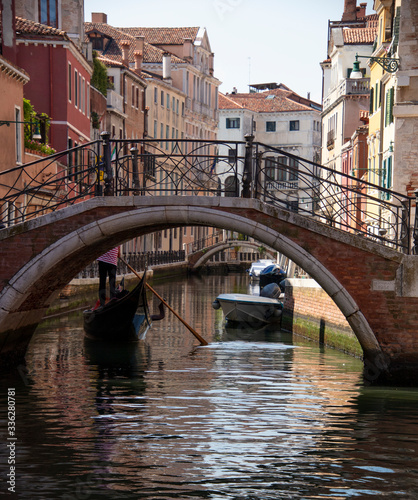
[{"x": 253, "y": 415}]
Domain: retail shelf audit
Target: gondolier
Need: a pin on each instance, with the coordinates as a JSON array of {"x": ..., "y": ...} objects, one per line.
[{"x": 107, "y": 267}]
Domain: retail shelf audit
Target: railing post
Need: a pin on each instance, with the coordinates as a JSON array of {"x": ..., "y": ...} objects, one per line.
[
  {"x": 405, "y": 237},
  {"x": 248, "y": 167},
  {"x": 135, "y": 174},
  {"x": 107, "y": 160}
]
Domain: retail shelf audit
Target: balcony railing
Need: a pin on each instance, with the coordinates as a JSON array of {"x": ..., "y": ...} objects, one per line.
[
  {"x": 197, "y": 168},
  {"x": 347, "y": 87},
  {"x": 115, "y": 101}
]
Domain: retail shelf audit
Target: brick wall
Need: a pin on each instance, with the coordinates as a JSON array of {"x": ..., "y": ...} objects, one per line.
[{"x": 309, "y": 311}]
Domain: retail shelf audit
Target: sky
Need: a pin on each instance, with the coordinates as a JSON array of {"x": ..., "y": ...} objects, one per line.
[{"x": 280, "y": 41}]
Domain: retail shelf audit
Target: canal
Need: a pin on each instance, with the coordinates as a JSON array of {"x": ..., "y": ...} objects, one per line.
[{"x": 253, "y": 415}]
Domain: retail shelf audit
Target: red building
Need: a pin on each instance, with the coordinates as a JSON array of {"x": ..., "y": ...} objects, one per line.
[{"x": 59, "y": 81}]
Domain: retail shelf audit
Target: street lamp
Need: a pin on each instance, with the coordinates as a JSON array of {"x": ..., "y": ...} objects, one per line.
[
  {"x": 37, "y": 135},
  {"x": 389, "y": 64}
]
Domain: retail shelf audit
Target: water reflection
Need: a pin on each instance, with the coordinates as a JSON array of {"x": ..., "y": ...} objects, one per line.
[{"x": 256, "y": 414}]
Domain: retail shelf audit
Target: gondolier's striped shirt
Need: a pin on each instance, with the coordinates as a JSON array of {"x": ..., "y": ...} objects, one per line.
[{"x": 110, "y": 257}]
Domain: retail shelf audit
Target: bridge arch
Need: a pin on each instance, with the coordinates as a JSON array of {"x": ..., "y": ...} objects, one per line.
[
  {"x": 92, "y": 227},
  {"x": 224, "y": 245}
]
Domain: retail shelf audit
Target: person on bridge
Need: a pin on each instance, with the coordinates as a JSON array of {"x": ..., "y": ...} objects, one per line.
[{"x": 107, "y": 266}]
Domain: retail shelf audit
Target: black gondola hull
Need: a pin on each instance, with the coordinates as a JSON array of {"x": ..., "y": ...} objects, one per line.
[{"x": 123, "y": 318}]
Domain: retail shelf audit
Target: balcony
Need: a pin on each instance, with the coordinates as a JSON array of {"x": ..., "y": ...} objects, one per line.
[
  {"x": 115, "y": 102},
  {"x": 347, "y": 87},
  {"x": 282, "y": 185},
  {"x": 330, "y": 140},
  {"x": 201, "y": 108}
]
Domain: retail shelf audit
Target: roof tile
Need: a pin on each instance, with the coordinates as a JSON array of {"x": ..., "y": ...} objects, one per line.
[
  {"x": 27, "y": 27},
  {"x": 163, "y": 36},
  {"x": 357, "y": 36},
  {"x": 271, "y": 101},
  {"x": 113, "y": 50}
]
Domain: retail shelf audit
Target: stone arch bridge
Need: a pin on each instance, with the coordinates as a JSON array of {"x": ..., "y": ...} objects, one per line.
[
  {"x": 200, "y": 257},
  {"x": 374, "y": 286}
]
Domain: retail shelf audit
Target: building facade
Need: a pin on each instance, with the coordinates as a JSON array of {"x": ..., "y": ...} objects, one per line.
[
  {"x": 47, "y": 54},
  {"x": 180, "y": 102},
  {"x": 345, "y": 99},
  {"x": 276, "y": 116}
]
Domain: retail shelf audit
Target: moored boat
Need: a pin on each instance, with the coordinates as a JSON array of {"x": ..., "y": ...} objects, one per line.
[
  {"x": 255, "y": 310},
  {"x": 256, "y": 267}
]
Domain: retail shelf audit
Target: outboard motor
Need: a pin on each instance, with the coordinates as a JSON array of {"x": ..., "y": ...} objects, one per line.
[
  {"x": 271, "y": 291},
  {"x": 271, "y": 274}
]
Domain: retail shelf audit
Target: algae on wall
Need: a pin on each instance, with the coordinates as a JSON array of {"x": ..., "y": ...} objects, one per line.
[{"x": 310, "y": 312}]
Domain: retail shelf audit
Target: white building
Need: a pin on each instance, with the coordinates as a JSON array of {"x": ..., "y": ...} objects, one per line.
[
  {"x": 345, "y": 99},
  {"x": 279, "y": 118}
]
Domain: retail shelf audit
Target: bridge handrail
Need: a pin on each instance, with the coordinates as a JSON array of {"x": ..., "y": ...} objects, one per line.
[
  {"x": 161, "y": 167},
  {"x": 334, "y": 172}
]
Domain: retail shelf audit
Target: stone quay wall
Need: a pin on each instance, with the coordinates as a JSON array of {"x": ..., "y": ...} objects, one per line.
[{"x": 310, "y": 312}]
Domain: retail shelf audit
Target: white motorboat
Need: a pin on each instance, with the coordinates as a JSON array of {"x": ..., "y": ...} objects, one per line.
[{"x": 254, "y": 310}]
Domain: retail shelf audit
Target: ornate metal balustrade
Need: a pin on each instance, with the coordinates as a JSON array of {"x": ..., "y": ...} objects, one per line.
[{"x": 168, "y": 167}]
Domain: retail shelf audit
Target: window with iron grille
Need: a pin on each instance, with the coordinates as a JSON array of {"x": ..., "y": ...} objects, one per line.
[{"x": 270, "y": 126}]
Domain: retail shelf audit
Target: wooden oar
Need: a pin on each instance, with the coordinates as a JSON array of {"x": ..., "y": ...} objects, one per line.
[{"x": 199, "y": 337}]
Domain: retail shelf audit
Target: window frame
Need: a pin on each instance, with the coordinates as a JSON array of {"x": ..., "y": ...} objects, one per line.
[
  {"x": 45, "y": 7},
  {"x": 70, "y": 81},
  {"x": 271, "y": 126},
  {"x": 231, "y": 123}
]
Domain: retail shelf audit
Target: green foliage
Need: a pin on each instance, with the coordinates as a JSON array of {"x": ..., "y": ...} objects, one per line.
[
  {"x": 99, "y": 79},
  {"x": 37, "y": 146},
  {"x": 262, "y": 250},
  {"x": 95, "y": 122},
  {"x": 40, "y": 122}
]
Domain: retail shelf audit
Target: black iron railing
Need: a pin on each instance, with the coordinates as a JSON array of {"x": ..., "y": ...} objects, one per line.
[{"x": 168, "y": 167}]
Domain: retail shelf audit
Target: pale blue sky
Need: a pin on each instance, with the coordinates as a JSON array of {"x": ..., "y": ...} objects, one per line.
[{"x": 279, "y": 41}]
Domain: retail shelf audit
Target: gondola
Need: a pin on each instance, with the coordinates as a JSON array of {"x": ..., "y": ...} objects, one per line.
[{"x": 124, "y": 317}]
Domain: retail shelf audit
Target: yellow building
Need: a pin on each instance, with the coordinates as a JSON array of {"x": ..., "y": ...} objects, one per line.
[{"x": 383, "y": 80}]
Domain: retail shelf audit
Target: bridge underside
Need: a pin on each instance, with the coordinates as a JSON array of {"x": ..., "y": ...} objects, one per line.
[{"x": 366, "y": 281}]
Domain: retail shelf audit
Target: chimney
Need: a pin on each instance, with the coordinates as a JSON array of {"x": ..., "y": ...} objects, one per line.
[
  {"x": 350, "y": 10},
  {"x": 98, "y": 17},
  {"x": 361, "y": 11},
  {"x": 166, "y": 66},
  {"x": 187, "y": 49},
  {"x": 139, "y": 53},
  {"x": 125, "y": 52}
]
